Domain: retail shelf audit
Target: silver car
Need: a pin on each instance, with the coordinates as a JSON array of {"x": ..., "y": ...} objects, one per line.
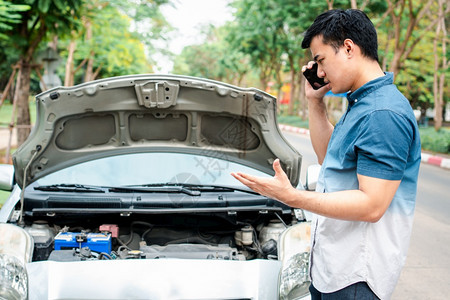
[{"x": 123, "y": 191}]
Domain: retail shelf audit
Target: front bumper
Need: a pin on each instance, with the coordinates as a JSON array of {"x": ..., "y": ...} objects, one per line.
[{"x": 154, "y": 279}]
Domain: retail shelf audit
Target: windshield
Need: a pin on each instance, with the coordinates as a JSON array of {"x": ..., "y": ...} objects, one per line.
[{"x": 150, "y": 168}]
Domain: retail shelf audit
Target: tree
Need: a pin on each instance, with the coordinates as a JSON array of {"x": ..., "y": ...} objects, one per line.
[
  {"x": 405, "y": 16},
  {"x": 406, "y": 30},
  {"x": 41, "y": 21},
  {"x": 440, "y": 64},
  {"x": 117, "y": 38},
  {"x": 214, "y": 59},
  {"x": 270, "y": 33},
  {"x": 10, "y": 15},
  {"x": 105, "y": 47},
  {"x": 199, "y": 61},
  {"x": 296, "y": 16},
  {"x": 256, "y": 34}
]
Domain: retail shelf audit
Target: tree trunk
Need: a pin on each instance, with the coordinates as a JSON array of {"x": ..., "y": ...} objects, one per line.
[
  {"x": 292, "y": 97},
  {"x": 22, "y": 94},
  {"x": 22, "y": 91},
  {"x": 292, "y": 94},
  {"x": 89, "y": 76},
  {"x": 279, "y": 84},
  {"x": 8, "y": 91},
  {"x": 395, "y": 63},
  {"x": 386, "y": 50},
  {"x": 90, "y": 63},
  {"x": 303, "y": 101},
  {"x": 330, "y": 4},
  {"x": 69, "y": 77},
  {"x": 264, "y": 76},
  {"x": 439, "y": 77},
  {"x": 97, "y": 71},
  {"x": 406, "y": 42}
]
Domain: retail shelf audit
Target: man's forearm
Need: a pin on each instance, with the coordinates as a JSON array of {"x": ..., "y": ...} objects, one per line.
[
  {"x": 353, "y": 205},
  {"x": 368, "y": 203},
  {"x": 320, "y": 127}
]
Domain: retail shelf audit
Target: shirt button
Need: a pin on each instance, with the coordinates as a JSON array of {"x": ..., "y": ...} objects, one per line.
[{"x": 356, "y": 100}]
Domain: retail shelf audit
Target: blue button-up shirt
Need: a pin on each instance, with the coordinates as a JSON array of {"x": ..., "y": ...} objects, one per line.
[{"x": 377, "y": 137}]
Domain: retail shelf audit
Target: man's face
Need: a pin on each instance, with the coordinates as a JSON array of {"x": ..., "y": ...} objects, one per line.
[{"x": 334, "y": 66}]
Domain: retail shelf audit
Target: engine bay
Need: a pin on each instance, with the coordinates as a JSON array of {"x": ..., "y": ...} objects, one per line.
[{"x": 188, "y": 236}]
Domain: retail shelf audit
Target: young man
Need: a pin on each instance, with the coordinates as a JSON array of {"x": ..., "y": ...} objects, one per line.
[{"x": 364, "y": 203}]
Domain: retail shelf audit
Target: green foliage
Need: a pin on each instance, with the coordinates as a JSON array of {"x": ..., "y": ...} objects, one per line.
[
  {"x": 150, "y": 25},
  {"x": 123, "y": 34},
  {"x": 3, "y": 196},
  {"x": 44, "y": 19},
  {"x": 114, "y": 48},
  {"x": 256, "y": 33},
  {"x": 214, "y": 59},
  {"x": 199, "y": 60},
  {"x": 415, "y": 77},
  {"x": 8, "y": 57},
  {"x": 264, "y": 39},
  {"x": 121, "y": 40},
  {"x": 9, "y": 15},
  {"x": 269, "y": 33},
  {"x": 435, "y": 141},
  {"x": 296, "y": 18}
]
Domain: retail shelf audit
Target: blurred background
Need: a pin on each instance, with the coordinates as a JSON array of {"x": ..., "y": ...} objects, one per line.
[
  {"x": 48, "y": 43},
  {"x": 250, "y": 43}
]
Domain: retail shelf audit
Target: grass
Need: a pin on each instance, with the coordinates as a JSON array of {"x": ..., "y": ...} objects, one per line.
[
  {"x": 6, "y": 112},
  {"x": 3, "y": 196},
  {"x": 5, "y": 119},
  {"x": 293, "y": 121}
]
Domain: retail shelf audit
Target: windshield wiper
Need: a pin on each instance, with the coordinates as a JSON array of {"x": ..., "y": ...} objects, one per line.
[
  {"x": 78, "y": 188},
  {"x": 187, "y": 188},
  {"x": 161, "y": 188}
]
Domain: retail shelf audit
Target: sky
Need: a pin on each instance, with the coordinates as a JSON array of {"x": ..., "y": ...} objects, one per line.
[{"x": 189, "y": 17}]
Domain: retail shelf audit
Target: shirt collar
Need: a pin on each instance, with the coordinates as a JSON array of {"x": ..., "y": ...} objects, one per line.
[{"x": 369, "y": 87}]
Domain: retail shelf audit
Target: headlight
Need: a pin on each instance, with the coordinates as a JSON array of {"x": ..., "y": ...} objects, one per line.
[
  {"x": 13, "y": 278},
  {"x": 16, "y": 249},
  {"x": 294, "y": 249}
]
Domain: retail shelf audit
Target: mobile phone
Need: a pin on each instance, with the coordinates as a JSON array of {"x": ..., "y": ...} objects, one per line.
[{"x": 313, "y": 79}]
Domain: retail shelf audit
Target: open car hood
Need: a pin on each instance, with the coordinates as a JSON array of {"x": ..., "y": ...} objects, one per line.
[{"x": 153, "y": 113}]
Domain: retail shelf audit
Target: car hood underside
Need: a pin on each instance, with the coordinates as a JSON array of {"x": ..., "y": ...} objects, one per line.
[{"x": 145, "y": 113}]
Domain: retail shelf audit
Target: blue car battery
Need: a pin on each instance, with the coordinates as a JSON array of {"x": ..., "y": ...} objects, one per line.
[{"x": 99, "y": 242}]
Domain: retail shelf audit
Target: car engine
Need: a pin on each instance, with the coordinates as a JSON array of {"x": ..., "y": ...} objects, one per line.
[{"x": 189, "y": 236}]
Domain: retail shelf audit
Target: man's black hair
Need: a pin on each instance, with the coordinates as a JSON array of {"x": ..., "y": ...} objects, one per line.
[{"x": 337, "y": 25}]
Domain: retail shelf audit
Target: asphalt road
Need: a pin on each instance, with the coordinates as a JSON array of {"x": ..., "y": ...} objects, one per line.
[{"x": 426, "y": 274}]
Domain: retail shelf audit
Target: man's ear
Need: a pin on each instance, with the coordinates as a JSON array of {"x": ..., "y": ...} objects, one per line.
[{"x": 349, "y": 47}]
